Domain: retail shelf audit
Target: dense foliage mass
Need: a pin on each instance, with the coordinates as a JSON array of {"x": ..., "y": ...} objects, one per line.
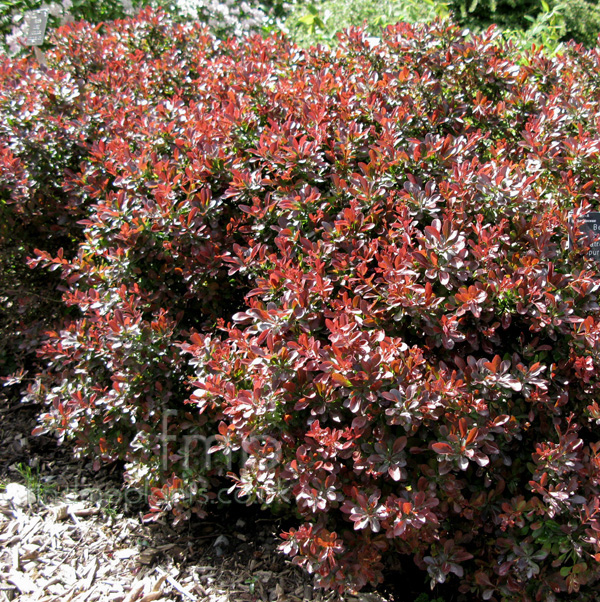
[{"x": 357, "y": 275}]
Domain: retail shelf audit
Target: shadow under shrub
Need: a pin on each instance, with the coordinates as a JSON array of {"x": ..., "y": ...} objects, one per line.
[
  {"x": 359, "y": 277},
  {"x": 41, "y": 145}
]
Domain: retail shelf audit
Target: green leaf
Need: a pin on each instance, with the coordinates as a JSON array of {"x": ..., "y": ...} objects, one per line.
[
  {"x": 308, "y": 19},
  {"x": 565, "y": 570},
  {"x": 312, "y": 19}
]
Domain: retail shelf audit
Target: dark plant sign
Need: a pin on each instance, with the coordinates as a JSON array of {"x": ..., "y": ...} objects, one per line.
[
  {"x": 591, "y": 227},
  {"x": 37, "y": 20}
]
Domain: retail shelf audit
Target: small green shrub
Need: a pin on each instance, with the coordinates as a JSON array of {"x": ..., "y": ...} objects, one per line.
[
  {"x": 578, "y": 19},
  {"x": 547, "y": 29},
  {"x": 314, "y": 22},
  {"x": 582, "y": 20}
]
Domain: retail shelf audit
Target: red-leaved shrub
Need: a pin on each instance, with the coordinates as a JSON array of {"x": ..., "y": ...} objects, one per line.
[{"x": 358, "y": 275}]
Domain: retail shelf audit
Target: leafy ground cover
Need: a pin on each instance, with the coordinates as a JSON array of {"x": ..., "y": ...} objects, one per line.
[{"x": 353, "y": 282}]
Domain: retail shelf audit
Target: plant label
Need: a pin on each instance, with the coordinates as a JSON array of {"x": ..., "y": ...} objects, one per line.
[
  {"x": 37, "y": 21},
  {"x": 590, "y": 226}
]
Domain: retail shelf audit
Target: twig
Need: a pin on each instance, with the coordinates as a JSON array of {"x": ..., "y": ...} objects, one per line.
[{"x": 176, "y": 585}]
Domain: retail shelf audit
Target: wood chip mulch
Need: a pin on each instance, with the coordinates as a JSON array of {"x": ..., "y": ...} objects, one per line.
[
  {"x": 76, "y": 553},
  {"x": 60, "y": 543}
]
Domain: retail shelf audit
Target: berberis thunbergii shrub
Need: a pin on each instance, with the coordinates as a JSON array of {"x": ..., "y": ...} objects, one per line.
[{"x": 358, "y": 275}]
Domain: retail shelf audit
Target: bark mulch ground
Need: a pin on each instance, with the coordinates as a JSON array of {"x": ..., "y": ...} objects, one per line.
[{"x": 68, "y": 534}]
